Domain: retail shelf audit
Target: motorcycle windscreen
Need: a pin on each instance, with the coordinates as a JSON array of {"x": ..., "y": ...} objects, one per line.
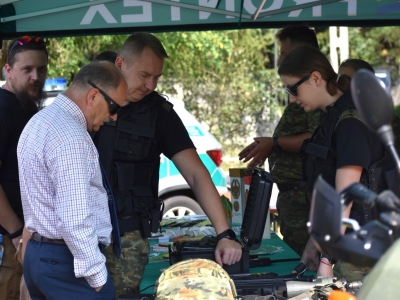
[{"x": 325, "y": 214}]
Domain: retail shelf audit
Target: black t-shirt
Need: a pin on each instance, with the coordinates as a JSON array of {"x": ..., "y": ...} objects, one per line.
[
  {"x": 356, "y": 145},
  {"x": 171, "y": 135},
  {"x": 12, "y": 121}
]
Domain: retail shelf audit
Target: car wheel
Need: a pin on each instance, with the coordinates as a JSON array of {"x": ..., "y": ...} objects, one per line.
[{"x": 179, "y": 206}]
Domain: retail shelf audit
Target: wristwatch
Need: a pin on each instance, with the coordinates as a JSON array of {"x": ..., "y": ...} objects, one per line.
[
  {"x": 330, "y": 259},
  {"x": 275, "y": 145},
  {"x": 227, "y": 234}
]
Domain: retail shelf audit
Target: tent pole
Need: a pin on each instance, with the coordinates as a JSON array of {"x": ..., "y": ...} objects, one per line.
[
  {"x": 296, "y": 7},
  {"x": 258, "y": 10}
]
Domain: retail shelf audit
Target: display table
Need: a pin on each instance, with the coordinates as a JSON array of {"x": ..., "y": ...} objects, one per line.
[{"x": 154, "y": 269}]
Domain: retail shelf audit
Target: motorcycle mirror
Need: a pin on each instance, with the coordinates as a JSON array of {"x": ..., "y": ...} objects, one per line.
[{"x": 371, "y": 99}]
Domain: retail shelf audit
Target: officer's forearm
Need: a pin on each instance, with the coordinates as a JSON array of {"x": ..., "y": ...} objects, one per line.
[
  {"x": 292, "y": 143},
  {"x": 210, "y": 202},
  {"x": 8, "y": 219}
]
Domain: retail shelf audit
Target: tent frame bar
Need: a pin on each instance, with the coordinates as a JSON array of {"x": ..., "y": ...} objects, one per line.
[
  {"x": 53, "y": 10},
  {"x": 5, "y": 2},
  {"x": 297, "y": 7},
  {"x": 201, "y": 8}
]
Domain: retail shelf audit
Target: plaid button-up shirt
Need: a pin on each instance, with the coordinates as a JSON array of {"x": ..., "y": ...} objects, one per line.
[{"x": 61, "y": 186}]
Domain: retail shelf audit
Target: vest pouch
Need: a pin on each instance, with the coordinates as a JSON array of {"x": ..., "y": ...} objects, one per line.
[
  {"x": 318, "y": 163},
  {"x": 124, "y": 175},
  {"x": 123, "y": 203}
]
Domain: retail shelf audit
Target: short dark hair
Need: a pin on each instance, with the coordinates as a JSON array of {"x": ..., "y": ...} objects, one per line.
[
  {"x": 298, "y": 35},
  {"x": 357, "y": 64},
  {"x": 137, "y": 42},
  {"x": 102, "y": 73},
  {"x": 17, "y": 46},
  {"x": 107, "y": 55},
  {"x": 303, "y": 60}
]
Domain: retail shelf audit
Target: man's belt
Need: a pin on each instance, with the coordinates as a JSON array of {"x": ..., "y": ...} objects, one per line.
[
  {"x": 285, "y": 187},
  {"x": 37, "y": 237}
]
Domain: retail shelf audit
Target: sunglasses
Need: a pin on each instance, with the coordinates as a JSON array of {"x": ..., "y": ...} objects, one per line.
[
  {"x": 292, "y": 90},
  {"x": 112, "y": 105},
  {"x": 25, "y": 40}
]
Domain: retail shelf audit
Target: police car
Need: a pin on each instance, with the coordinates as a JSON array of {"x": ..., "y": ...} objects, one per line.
[{"x": 179, "y": 199}]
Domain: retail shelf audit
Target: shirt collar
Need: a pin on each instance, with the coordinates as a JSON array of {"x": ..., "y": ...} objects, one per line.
[{"x": 70, "y": 106}]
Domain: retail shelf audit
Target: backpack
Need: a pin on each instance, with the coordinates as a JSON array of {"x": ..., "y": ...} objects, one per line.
[{"x": 195, "y": 279}]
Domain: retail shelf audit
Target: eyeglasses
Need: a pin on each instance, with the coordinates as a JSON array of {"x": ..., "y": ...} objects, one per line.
[
  {"x": 112, "y": 105},
  {"x": 292, "y": 90},
  {"x": 25, "y": 40}
]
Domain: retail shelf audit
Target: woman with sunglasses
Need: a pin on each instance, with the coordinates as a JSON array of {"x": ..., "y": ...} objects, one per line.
[{"x": 342, "y": 149}]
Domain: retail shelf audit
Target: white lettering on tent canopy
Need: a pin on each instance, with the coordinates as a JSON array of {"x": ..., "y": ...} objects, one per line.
[
  {"x": 103, "y": 11},
  {"x": 248, "y": 7},
  {"x": 206, "y": 3},
  {"x": 317, "y": 10},
  {"x": 175, "y": 12},
  {"x": 145, "y": 17}
]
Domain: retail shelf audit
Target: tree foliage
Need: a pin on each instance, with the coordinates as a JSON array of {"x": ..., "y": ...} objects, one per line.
[
  {"x": 223, "y": 78},
  {"x": 226, "y": 77}
]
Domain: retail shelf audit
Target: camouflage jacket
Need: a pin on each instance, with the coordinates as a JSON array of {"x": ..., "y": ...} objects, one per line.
[{"x": 287, "y": 166}]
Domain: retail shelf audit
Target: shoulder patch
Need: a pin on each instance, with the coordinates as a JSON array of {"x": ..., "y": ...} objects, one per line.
[{"x": 167, "y": 105}]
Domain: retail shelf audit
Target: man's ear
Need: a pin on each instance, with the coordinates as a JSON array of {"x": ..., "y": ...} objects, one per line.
[
  {"x": 119, "y": 62},
  {"x": 7, "y": 67},
  {"x": 90, "y": 98}
]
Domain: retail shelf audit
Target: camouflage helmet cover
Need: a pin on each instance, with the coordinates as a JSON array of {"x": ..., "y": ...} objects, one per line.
[{"x": 195, "y": 279}]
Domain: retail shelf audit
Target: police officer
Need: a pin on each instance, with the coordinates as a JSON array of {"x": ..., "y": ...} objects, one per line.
[
  {"x": 130, "y": 150},
  {"x": 282, "y": 151},
  {"x": 343, "y": 150}
]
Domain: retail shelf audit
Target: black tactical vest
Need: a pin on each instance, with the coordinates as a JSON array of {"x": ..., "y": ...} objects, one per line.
[
  {"x": 129, "y": 153},
  {"x": 319, "y": 157}
]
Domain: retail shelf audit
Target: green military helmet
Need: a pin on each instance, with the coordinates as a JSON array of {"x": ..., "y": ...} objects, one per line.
[{"x": 195, "y": 279}]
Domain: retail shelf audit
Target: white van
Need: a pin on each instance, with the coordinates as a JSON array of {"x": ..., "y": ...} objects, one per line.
[{"x": 178, "y": 198}]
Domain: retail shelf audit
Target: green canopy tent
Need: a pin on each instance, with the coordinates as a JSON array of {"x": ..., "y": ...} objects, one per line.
[{"x": 83, "y": 17}]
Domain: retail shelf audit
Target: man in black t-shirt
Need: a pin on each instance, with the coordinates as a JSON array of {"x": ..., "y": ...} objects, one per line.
[
  {"x": 130, "y": 151},
  {"x": 20, "y": 97}
]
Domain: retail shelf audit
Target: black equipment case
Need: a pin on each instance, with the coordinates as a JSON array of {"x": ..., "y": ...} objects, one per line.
[{"x": 251, "y": 232}]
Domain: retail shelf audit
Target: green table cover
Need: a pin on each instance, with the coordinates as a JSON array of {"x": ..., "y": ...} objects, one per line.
[{"x": 154, "y": 269}]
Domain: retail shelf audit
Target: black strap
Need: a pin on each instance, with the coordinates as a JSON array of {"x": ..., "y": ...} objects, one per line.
[
  {"x": 16, "y": 234},
  {"x": 117, "y": 247}
]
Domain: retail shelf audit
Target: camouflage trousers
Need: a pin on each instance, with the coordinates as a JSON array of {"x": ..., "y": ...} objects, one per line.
[
  {"x": 349, "y": 272},
  {"x": 294, "y": 210},
  {"x": 127, "y": 271}
]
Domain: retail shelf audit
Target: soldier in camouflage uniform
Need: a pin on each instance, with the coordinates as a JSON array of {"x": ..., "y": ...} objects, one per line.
[
  {"x": 195, "y": 279},
  {"x": 293, "y": 201},
  {"x": 283, "y": 149}
]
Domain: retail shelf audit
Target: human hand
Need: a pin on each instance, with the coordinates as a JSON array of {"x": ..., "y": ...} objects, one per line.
[
  {"x": 257, "y": 152},
  {"x": 325, "y": 269},
  {"x": 247, "y": 150},
  {"x": 18, "y": 254},
  {"x": 228, "y": 252},
  {"x": 98, "y": 288},
  {"x": 310, "y": 256}
]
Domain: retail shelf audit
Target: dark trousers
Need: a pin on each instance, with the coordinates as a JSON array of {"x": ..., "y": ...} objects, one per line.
[{"x": 49, "y": 274}]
